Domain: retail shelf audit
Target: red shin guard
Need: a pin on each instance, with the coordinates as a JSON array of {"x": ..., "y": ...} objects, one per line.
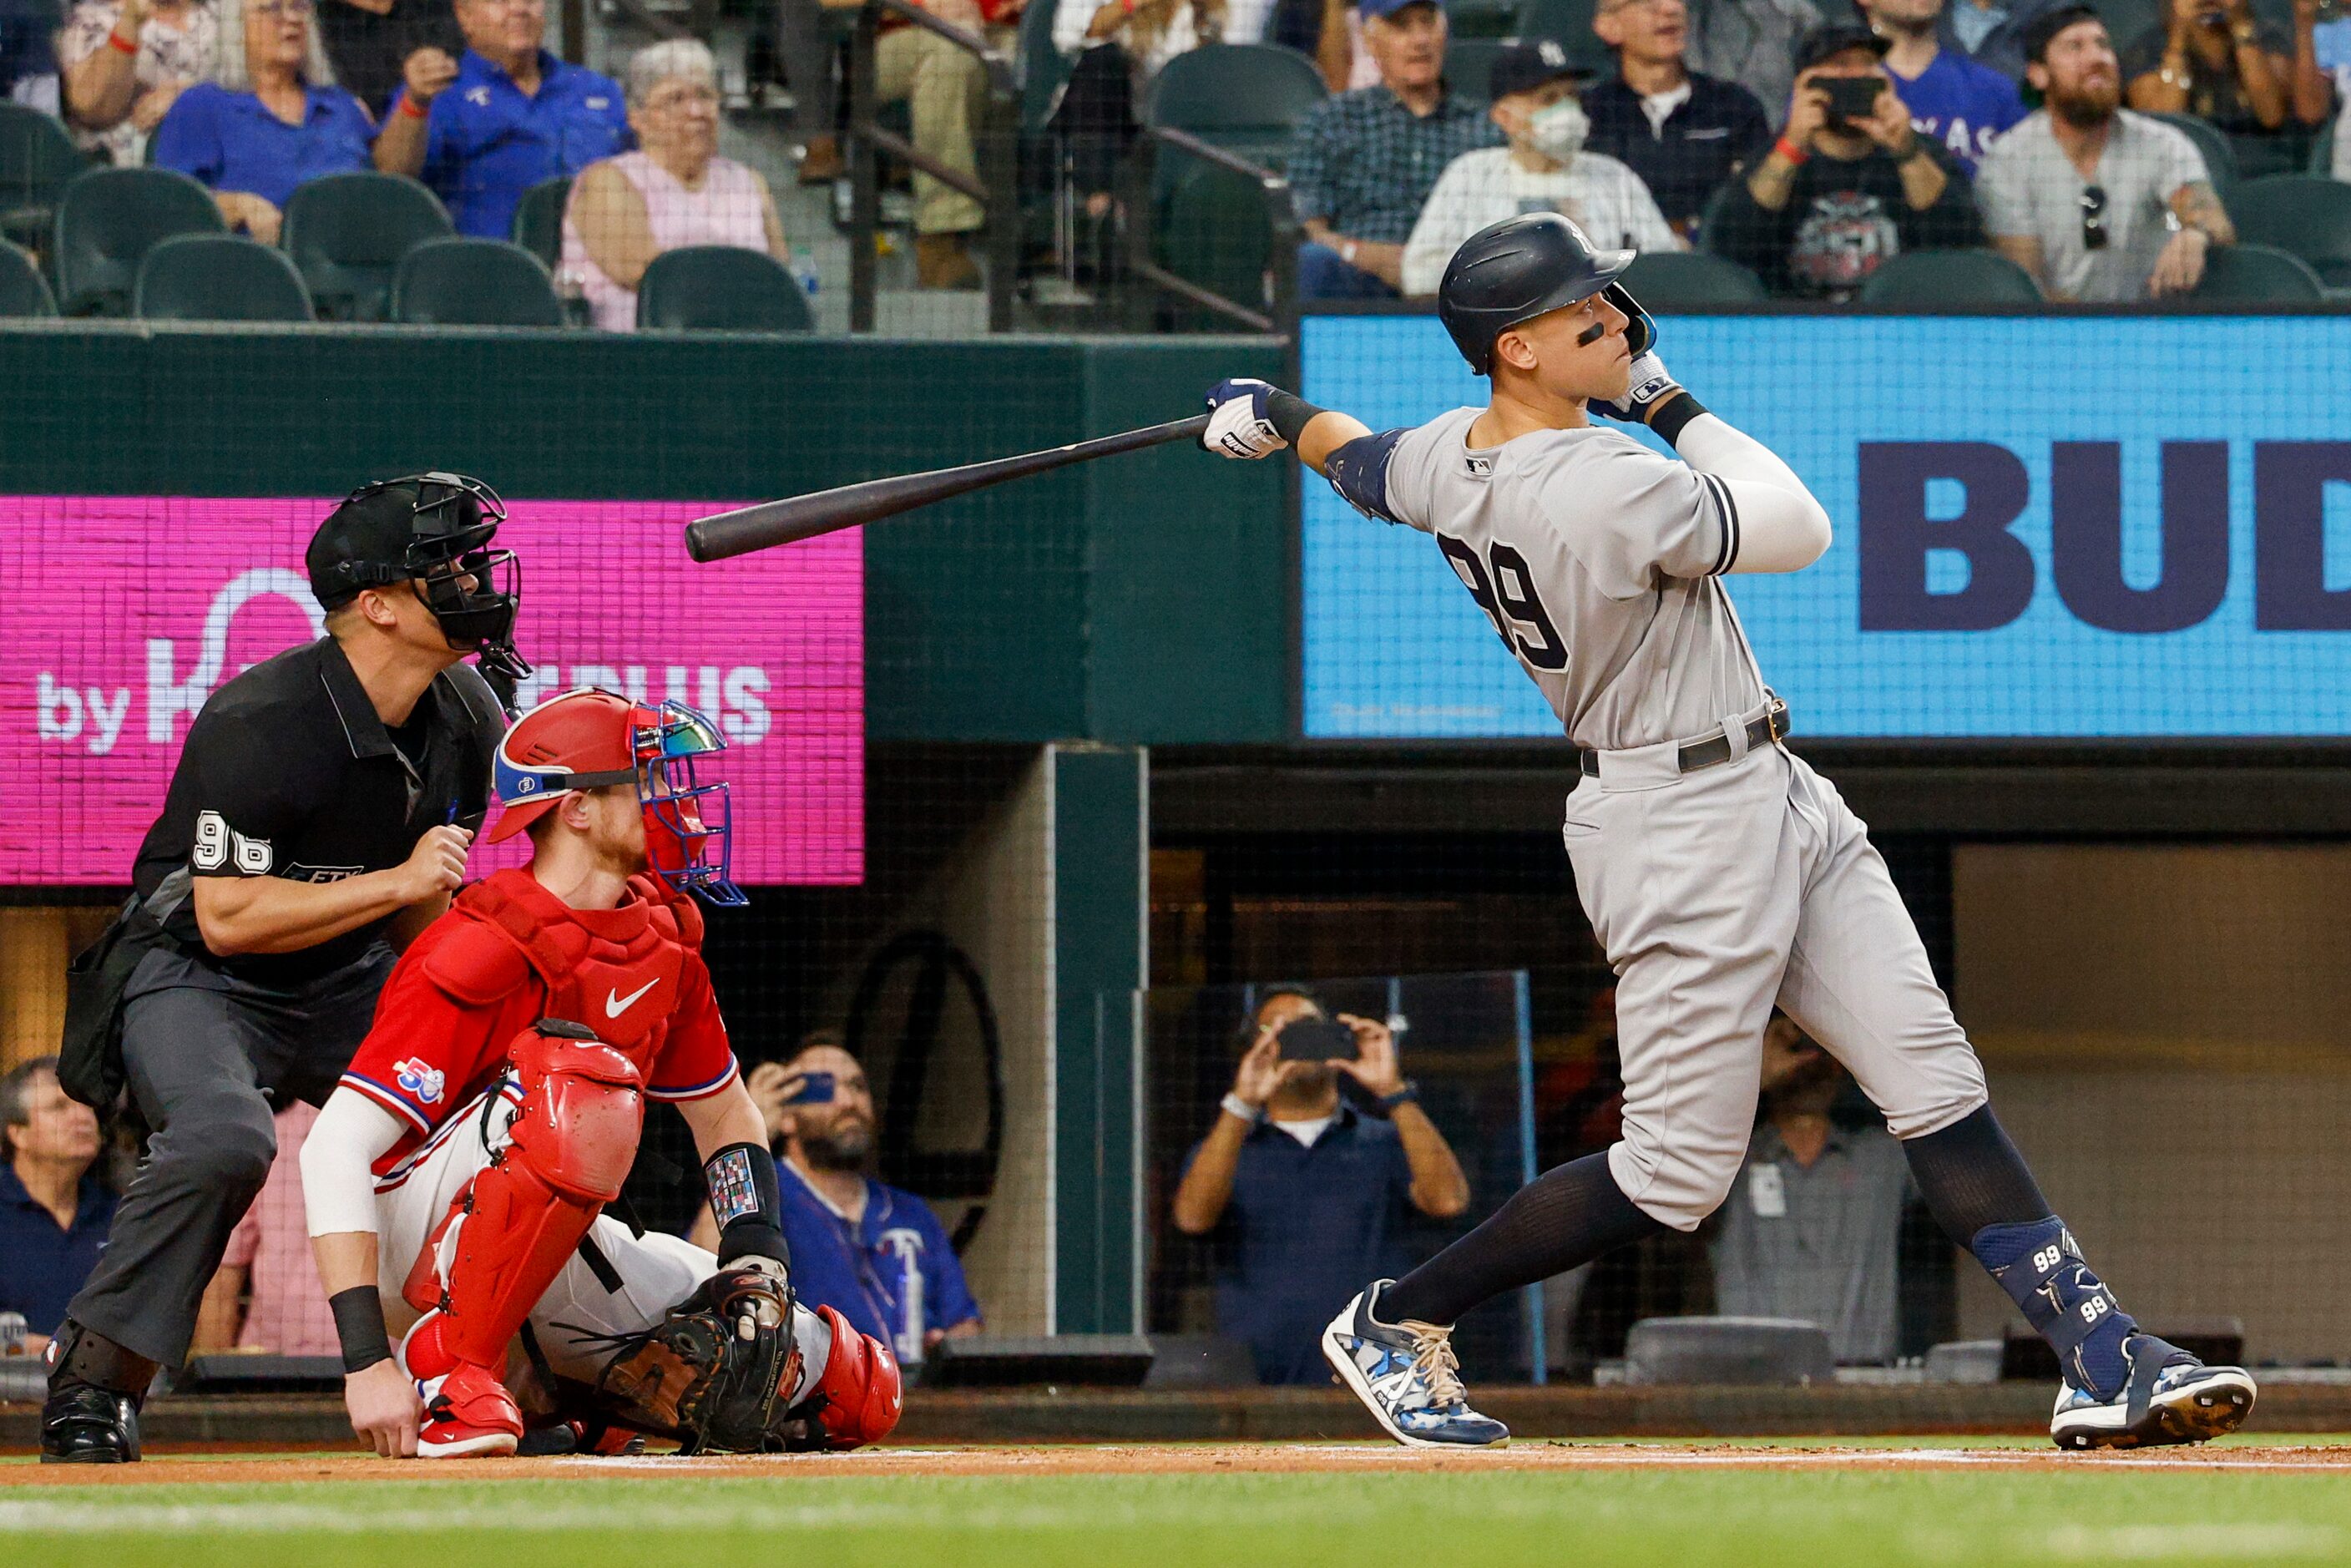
[{"x": 518, "y": 1223}]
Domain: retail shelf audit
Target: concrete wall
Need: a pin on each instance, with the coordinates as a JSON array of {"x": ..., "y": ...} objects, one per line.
[{"x": 2167, "y": 1031}]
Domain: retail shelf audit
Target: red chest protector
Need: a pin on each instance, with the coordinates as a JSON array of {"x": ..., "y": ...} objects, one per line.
[{"x": 615, "y": 972}]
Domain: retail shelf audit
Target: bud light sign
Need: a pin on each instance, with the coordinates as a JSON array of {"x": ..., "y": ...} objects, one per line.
[
  {"x": 126, "y": 613},
  {"x": 2056, "y": 527}
]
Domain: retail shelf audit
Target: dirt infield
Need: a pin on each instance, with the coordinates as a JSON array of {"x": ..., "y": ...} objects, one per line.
[{"x": 1110, "y": 1460}]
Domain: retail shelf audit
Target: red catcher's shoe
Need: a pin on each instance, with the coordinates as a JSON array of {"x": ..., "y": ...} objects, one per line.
[{"x": 469, "y": 1412}]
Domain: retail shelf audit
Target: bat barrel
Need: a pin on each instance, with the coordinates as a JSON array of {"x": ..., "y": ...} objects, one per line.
[{"x": 772, "y": 523}]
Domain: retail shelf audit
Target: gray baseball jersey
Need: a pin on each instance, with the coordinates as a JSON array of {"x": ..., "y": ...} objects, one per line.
[
  {"x": 1596, "y": 558},
  {"x": 1716, "y": 892}
]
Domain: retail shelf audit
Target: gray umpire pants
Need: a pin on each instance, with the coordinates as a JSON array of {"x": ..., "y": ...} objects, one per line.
[
  {"x": 1716, "y": 894},
  {"x": 210, "y": 1059}
]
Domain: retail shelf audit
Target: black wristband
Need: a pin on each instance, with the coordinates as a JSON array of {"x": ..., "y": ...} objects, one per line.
[
  {"x": 1671, "y": 415},
  {"x": 1290, "y": 413},
  {"x": 358, "y": 1324}
]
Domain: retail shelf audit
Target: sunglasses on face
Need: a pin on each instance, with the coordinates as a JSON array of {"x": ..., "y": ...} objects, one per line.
[{"x": 2094, "y": 217}]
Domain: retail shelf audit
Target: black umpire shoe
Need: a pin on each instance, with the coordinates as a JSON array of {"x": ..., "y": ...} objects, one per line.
[{"x": 85, "y": 1425}]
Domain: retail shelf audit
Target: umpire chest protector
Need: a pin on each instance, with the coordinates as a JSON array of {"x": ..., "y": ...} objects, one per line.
[{"x": 615, "y": 972}]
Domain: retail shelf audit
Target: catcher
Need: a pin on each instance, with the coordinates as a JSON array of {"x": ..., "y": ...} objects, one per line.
[{"x": 456, "y": 1177}]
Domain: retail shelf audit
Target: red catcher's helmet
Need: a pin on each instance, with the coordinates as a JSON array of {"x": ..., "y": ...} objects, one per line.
[{"x": 588, "y": 739}]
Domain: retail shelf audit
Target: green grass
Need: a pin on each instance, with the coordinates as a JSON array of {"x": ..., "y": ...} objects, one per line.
[{"x": 1753, "y": 1519}]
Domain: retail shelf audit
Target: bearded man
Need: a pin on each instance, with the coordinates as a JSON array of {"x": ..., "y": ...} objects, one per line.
[
  {"x": 2097, "y": 202},
  {"x": 872, "y": 1253}
]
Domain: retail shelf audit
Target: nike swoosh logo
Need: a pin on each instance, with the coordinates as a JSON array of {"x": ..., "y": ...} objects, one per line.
[{"x": 615, "y": 1004}]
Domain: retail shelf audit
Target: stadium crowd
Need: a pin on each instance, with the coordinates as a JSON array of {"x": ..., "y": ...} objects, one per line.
[{"x": 1805, "y": 145}]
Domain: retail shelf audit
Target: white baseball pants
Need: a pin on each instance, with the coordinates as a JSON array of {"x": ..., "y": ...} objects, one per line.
[{"x": 1716, "y": 894}]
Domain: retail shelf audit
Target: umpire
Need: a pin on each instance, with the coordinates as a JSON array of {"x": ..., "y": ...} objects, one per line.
[{"x": 318, "y": 817}]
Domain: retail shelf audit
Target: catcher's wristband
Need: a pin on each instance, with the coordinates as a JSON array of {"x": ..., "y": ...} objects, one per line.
[
  {"x": 1289, "y": 414},
  {"x": 747, "y": 1203},
  {"x": 359, "y": 1325}
]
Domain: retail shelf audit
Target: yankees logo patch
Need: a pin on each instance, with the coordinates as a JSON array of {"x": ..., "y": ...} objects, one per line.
[{"x": 419, "y": 1082}]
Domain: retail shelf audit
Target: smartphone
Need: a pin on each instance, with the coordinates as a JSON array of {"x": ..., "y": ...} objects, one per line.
[
  {"x": 1316, "y": 1039},
  {"x": 1852, "y": 98},
  {"x": 816, "y": 1089}
]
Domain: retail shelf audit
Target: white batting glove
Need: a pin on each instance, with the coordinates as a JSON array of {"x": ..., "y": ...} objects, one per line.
[
  {"x": 1238, "y": 423},
  {"x": 1651, "y": 385}
]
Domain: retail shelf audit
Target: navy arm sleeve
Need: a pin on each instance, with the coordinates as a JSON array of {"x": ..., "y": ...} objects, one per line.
[{"x": 1358, "y": 473}]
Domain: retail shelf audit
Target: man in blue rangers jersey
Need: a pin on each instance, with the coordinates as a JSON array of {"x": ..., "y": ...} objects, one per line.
[{"x": 1721, "y": 874}]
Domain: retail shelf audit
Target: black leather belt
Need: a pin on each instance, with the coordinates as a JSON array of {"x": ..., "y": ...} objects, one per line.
[{"x": 1770, "y": 726}]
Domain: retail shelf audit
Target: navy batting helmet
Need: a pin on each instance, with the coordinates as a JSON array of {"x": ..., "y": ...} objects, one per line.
[{"x": 1518, "y": 269}]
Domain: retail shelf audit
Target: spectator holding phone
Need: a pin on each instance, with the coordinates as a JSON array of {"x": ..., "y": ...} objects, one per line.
[
  {"x": 1849, "y": 185},
  {"x": 2213, "y": 60},
  {"x": 874, "y": 1254},
  {"x": 1311, "y": 1194}
]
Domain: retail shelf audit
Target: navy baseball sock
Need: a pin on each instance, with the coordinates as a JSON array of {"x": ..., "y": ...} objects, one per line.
[
  {"x": 1985, "y": 1198},
  {"x": 1569, "y": 1215}
]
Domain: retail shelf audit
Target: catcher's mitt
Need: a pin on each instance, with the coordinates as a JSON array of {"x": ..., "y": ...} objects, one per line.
[{"x": 714, "y": 1374}]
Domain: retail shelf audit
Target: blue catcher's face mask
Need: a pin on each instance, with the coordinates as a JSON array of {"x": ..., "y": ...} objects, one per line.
[{"x": 689, "y": 825}]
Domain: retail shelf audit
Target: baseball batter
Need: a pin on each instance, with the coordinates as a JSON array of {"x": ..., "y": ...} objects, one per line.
[
  {"x": 455, "y": 1179},
  {"x": 1721, "y": 874}
]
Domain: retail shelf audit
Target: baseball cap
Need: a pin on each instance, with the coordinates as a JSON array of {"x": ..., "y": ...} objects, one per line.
[
  {"x": 1521, "y": 65},
  {"x": 373, "y": 528},
  {"x": 1835, "y": 38},
  {"x": 1368, "y": 9},
  {"x": 2046, "y": 27}
]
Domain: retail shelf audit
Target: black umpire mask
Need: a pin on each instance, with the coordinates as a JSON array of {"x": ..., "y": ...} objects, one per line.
[{"x": 433, "y": 530}]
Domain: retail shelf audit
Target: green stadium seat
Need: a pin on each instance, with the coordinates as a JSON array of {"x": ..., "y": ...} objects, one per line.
[
  {"x": 539, "y": 220},
  {"x": 2306, "y": 215},
  {"x": 1713, "y": 219},
  {"x": 721, "y": 288},
  {"x": 1924, "y": 279},
  {"x": 2257, "y": 275},
  {"x": 37, "y": 158},
  {"x": 347, "y": 232},
  {"x": 23, "y": 290},
  {"x": 1482, "y": 18},
  {"x": 473, "y": 283},
  {"x": 2220, "y": 158},
  {"x": 107, "y": 222},
  {"x": 2127, "y": 20},
  {"x": 1214, "y": 232},
  {"x": 1246, "y": 97},
  {"x": 1467, "y": 62},
  {"x": 218, "y": 278},
  {"x": 1044, "y": 69},
  {"x": 1691, "y": 280}
]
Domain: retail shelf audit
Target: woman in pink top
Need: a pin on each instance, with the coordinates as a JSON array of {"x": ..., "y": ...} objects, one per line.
[{"x": 674, "y": 190}]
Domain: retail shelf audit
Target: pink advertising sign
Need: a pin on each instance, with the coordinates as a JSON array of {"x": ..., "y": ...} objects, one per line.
[{"x": 124, "y": 612}]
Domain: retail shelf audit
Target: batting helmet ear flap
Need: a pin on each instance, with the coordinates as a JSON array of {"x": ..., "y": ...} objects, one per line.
[{"x": 1640, "y": 332}]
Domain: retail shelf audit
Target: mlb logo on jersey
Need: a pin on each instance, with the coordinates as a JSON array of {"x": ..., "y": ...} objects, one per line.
[
  {"x": 1478, "y": 467},
  {"x": 419, "y": 1081}
]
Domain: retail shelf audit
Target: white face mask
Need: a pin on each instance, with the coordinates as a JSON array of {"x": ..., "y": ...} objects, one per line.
[{"x": 1557, "y": 131}]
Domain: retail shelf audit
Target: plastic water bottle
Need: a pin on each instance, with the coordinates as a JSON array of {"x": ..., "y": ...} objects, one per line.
[{"x": 804, "y": 268}]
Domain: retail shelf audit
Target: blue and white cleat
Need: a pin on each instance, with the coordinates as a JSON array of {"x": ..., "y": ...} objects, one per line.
[
  {"x": 2170, "y": 1397},
  {"x": 1406, "y": 1378}
]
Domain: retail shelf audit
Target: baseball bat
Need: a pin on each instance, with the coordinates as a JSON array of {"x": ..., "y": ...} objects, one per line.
[{"x": 771, "y": 523}]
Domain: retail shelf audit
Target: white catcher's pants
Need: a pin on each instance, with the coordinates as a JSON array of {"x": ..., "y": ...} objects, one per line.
[
  {"x": 656, "y": 1271},
  {"x": 1715, "y": 895}
]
